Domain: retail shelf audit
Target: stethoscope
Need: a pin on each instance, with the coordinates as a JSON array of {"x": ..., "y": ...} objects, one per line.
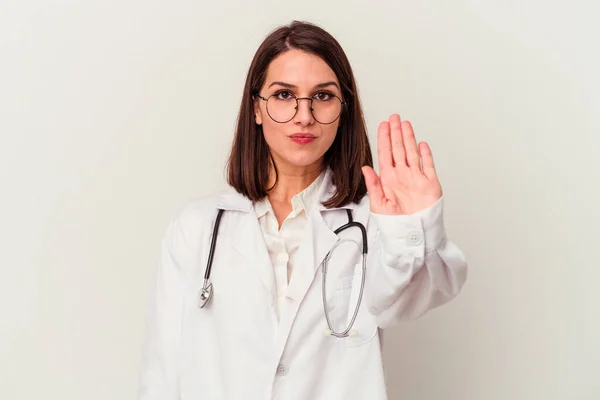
[{"x": 207, "y": 288}]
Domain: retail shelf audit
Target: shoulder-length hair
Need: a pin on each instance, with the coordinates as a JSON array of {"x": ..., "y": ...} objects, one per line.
[{"x": 250, "y": 159}]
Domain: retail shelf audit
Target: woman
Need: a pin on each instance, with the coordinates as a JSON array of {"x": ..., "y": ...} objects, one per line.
[{"x": 295, "y": 172}]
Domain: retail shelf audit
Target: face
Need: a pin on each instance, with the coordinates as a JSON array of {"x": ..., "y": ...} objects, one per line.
[{"x": 303, "y": 140}]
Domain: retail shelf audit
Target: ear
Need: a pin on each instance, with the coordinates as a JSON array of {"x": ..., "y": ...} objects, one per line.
[{"x": 257, "y": 112}]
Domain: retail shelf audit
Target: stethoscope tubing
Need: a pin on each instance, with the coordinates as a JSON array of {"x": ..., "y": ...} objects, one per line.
[{"x": 207, "y": 287}]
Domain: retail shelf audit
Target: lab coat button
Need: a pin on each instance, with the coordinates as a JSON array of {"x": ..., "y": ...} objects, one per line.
[
  {"x": 282, "y": 370},
  {"x": 414, "y": 238}
]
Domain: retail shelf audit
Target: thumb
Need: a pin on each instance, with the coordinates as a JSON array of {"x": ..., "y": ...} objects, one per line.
[{"x": 373, "y": 185}]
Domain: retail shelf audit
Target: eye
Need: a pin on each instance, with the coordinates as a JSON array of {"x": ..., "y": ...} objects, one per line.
[
  {"x": 283, "y": 95},
  {"x": 323, "y": 96}
]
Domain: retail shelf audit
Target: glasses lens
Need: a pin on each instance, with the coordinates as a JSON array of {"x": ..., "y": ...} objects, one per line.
[
  {"x": 281, "y": 108},
  {"x": 326, "y": 108}
]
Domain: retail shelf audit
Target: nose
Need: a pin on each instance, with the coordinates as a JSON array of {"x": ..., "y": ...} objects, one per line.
[{"x": 304, "y": 115}]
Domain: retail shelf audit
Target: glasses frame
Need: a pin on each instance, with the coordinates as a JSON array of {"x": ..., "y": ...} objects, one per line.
[{"x": 266, "y": 100}]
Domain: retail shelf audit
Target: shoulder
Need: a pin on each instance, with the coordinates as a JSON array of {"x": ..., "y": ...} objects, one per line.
[
  {"x": 202, "y": 208},
  {"x": 362, "y": 207},
  {"x": 195, "y": 216},
  {"x": 364, "y": 202}
]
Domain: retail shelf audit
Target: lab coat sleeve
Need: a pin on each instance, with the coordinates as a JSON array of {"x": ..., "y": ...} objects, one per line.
[
  {"x": 159, "y": 368},
  {"x": 415, "y": 266}
]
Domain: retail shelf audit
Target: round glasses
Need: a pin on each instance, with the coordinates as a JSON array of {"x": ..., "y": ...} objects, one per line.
[{"x": 325, "y": 107}]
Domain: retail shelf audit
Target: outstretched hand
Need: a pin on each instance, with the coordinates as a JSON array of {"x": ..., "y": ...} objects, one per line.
[{"x": 407, "y": 182}]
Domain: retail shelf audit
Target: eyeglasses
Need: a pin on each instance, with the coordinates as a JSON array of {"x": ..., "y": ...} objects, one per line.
[{"x": 325, "y": 107}]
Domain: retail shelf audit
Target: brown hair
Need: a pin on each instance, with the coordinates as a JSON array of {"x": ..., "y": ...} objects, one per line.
[{"x": 250, "y": 157}]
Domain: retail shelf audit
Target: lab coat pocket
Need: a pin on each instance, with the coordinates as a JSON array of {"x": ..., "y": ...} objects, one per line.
[
  {"x": 364, "y": 328},
  {"x": 343, "y": 287}
]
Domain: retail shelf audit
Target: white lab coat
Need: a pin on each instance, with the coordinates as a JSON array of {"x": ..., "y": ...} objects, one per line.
[{"x": 239, "y": 348}]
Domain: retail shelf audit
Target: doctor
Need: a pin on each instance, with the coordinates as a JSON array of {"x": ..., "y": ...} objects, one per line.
[{"x": 285, "y": 286}]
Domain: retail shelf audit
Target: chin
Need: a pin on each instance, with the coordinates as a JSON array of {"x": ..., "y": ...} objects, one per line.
[{"x": 303, "y": 161}]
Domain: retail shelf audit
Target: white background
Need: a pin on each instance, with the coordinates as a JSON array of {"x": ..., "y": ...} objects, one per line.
[{"x": 115, "y": 113}]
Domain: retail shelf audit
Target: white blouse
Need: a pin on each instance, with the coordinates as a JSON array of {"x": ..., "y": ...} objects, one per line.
[{"x": 283, "y": 243}]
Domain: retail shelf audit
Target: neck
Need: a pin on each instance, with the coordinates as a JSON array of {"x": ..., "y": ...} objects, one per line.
[{"x": 291, "y": 181}]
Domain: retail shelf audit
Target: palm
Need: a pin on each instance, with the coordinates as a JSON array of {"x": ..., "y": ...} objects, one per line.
[{"x": 407, "y": 182}]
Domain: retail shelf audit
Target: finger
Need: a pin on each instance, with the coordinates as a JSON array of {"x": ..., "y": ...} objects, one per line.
[
  {"x": 373, "y": 185},
  {"x": 384, "y": 148},
  {"x": 398, "y": 153},
  {"x": 410, "y": 145},
  {"x": 427, "y": 159}
]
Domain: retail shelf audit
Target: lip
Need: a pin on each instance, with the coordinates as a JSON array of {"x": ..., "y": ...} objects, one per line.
[
  {"x": 302, "y": 138},
  {"x": 302, "y": 135}
]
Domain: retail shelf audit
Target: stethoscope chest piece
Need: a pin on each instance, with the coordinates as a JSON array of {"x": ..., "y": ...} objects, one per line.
[{"x": 205, "y": 294}]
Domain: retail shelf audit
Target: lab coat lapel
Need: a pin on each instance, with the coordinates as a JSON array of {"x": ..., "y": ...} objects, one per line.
[
  {"x": 247, "y": 238},
  {"x": 249, "y": 242},
  {"x": 318, "y": 241}
]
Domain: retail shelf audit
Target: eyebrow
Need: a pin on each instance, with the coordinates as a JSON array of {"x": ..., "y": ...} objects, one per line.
[{"x": 290, "y": 86}]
